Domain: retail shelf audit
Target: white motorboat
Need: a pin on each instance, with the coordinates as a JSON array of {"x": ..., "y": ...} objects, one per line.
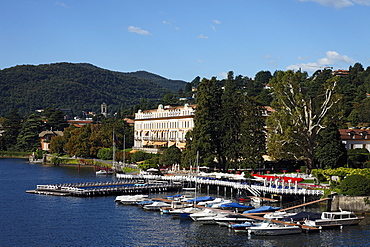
[
  {"x": 226, "y": 220},
  {"x": 208, "y": 203},
  {"x": 130, "y": 199},
  {"x": 204, "y": 213},
  {"x": 155, "y": 206},
  {"x": 278, "y": 215},
  {"x": 269, "y": 228},
  {"x": 242, "y": 226},
  {"x": 104, "y": 172},
  {"x": 218, "y": 205},
  {"x": 174, "y": 206},
  {"x": 341, "y": 218},
  {"x": 210, "y": 219}
]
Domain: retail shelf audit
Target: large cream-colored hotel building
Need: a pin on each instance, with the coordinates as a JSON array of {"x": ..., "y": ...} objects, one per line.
[{"x": 163, "y": 127}]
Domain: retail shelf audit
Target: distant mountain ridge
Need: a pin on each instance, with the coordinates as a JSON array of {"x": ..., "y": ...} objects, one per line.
[{"x": 77, "y": 86}]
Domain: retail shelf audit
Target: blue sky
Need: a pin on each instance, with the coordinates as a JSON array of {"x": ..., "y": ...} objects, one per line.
[{"x": 181, "y": 39}]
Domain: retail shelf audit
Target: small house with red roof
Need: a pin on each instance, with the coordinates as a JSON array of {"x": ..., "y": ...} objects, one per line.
[
  {"x": 355, "y": 138},
  {"x": 46, "y": 136}
]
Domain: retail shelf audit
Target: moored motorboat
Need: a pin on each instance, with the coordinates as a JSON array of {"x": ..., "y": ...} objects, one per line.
[
  {"x": 227, "y": 220},
  {"x": 204, "y": 213},
  {"x": 155, "y": 206},
  {"x": 242, "y": 226},
  {"x": 130, "y": 199},
  {"x": 208, "y": 220},
  {"x": 341, "y": 218},
  {"x": 104, "y": 172},
  {"x": 269, "y": 228},
  {"x": 278, "y": 215}
]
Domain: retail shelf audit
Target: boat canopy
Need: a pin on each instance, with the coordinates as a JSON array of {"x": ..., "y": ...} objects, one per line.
[
  {"x": 201, "y": 199},
  {"x": 262, "y": 209},
  {"x": 235, "y": 205},
  {"x": 303, "y": 215},
  {"x": 175, "y": 196}
]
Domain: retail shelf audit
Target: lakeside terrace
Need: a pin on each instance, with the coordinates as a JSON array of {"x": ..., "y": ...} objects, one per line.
[{"x": 257, "y": 187}]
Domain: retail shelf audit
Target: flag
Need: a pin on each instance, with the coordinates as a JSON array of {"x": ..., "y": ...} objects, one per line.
[{"x": 115, "y": 139}]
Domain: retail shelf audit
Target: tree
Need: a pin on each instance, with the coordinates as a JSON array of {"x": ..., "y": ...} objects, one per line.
[
  {"x": 28, "y": 137},
  {"x": 355, "y": 185},
  {"x": 55, "y": 119},
  {"x": 12, "y": 126},
  {"x": 241, "y": 129},
  {"x": 171, "y": 156},
  {"x": 253, "y": 134},
  {"x": 357, "y": 156},
  {"x": 140, "y": 156},
  {"x": 105, "y": 153},
  {"x": 205, "y": 132},
  {"x": 299, "y": 115},
  {"x": 330, "y": 151}
]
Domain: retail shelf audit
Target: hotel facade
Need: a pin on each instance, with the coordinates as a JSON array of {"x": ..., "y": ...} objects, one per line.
[{"x": 162, "y": 127}]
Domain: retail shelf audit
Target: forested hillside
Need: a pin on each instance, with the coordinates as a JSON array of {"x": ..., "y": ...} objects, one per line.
[{"x": 79, "y": 87}]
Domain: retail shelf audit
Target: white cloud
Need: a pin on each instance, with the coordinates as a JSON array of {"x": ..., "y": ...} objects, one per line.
[
  {"x": 202, "y": 36},
  {"x": 362, "y": 2},
  {"x": 62, "y": 5},
  {"x": 332, "y": 59},
  {"x": 170, "y": 25},
  {"x": 216, "y": 22},
  {"x": 339, "y": 3},
  {"x": 138, "y": 30}
]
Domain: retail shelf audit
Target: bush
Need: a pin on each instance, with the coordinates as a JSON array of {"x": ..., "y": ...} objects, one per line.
[{"x": 355, "y": 185}]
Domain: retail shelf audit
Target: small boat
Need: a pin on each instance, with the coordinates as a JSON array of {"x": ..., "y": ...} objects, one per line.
[
  {"x": 218, "y": 205},
  {"x": 104, "y": 172},
  {"x": 269, "y": 228},
  {"x": 210, "y": 220},
  {"x": 204, "y": 213},
  {"x": 262, "y": 209},
  {"x": 278, "y": 215},
  {"x": 242, "y": 227},
  {"x": 201, "y": 199},
  {"x": 155, "y": 206},
  {"x": 143, "y": 203},
  {"x": 341, "y": 218},
  {"x": 209, "y": 203},
  {"x": 174, "y": 205},
  {"x": 130, "y": 199},
  {"x": 229, "y": 219},
  {"x": 235, "y": 206}
]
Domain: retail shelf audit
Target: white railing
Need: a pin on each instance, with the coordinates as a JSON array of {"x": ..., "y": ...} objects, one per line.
[{"x": 253, "y": 189}]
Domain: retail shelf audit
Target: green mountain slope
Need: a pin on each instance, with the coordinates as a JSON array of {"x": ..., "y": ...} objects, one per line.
[{"x": 79, "y": 87}]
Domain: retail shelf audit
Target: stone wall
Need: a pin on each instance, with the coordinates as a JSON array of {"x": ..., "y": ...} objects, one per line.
[{"x": 351, "y": 203}]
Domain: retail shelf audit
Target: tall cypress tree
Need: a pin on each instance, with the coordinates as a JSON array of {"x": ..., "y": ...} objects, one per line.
[
  {"x": 28, "y": 137},
  {"x": 231, "y": 120},
  {"x": 330, "y": 151},
  {"x": 205, "y": 132},
  {"x": 252, "y": 134}
]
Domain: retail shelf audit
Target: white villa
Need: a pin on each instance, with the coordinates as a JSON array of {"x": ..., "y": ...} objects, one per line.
[{"x": 162, "y": 127}]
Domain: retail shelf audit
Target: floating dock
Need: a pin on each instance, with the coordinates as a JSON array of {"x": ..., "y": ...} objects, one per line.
[{"x": 104, "y": 188}]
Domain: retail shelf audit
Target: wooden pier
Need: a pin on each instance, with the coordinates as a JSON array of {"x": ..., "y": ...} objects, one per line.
[{"x": 104, "y": 188}]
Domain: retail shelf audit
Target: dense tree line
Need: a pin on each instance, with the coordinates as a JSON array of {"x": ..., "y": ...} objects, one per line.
[{"x": 228, "y": 126}]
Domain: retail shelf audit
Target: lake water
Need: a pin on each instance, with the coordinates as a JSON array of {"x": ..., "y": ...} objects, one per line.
[{"x": 40, "y": 220}]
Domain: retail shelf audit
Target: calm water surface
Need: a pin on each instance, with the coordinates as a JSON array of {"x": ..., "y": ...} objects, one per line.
[{"x": 40, "y": 220}]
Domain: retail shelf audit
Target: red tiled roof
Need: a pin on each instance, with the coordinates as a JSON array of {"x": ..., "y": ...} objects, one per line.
[{"x": 354, "y": 134}]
